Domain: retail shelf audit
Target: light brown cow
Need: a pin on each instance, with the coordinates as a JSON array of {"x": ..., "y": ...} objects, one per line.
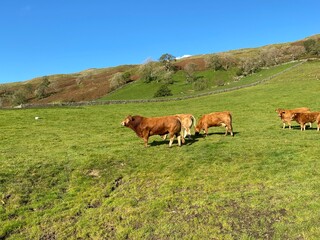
[
  {"x": 286, "y": 115},
  {"x": 187, "y": 121},
  {"x": 215, "y": 119},
  {"x": 309, "y": 117},
  {"x": 145, "y": 127}
]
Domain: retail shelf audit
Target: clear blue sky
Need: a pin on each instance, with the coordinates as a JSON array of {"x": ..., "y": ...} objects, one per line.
[{"x": 42, "y": 37}]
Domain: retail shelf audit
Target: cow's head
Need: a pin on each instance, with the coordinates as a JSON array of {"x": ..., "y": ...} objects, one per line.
[
  {"x": 197, "y": 130},
  {"x": 293, "y": 116},
  {"x": 280, "y": 112},
  {"x": 127, "y": 120}
]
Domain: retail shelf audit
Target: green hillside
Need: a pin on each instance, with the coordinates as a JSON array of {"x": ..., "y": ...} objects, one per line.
[
  {"x": 75, "y": 173},
  {"x": 180, "y": 88}
]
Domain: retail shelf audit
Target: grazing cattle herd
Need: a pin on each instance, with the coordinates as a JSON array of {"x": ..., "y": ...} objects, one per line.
[{"x": 180, "y": 125}]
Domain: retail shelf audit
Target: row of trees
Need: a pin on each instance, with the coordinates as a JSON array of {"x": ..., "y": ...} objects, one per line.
[{"x": 163, "y": 70}]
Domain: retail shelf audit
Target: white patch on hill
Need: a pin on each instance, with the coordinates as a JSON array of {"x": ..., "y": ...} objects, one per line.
[{"x": 184, "y": 56}]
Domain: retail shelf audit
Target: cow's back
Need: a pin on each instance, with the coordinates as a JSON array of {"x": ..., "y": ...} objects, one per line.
[
  {"x": 162, "y": 125},
  {"x": 218, "y": 118}
]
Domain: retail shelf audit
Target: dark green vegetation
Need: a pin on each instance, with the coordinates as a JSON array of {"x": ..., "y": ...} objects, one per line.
[{"x": 77, "y": 174}]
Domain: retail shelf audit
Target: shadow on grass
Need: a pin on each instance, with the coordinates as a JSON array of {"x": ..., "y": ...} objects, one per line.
[
  {"x": 214, "y": 133},
  {"x": 313, "y": 128},
  {"x": 175, "y": 142}
]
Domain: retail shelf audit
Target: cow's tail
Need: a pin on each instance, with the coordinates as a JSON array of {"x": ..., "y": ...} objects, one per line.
[
  {"x": 194, "y": 121},
  {"x": 231, "y": 128},
  {"x": 181, "y": 135}
]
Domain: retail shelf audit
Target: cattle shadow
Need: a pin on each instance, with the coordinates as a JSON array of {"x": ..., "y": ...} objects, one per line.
[
  {"x": 201, "y": 135},
  {"x": 299, "y": 128},
  {"x": 175, "y": 142}
]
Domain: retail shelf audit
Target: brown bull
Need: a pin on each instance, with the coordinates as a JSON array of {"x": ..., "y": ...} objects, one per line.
[
  {"x": 145, "y": 127},
  {"x": 286, "y": 115},
  {"x": 215, "y": 119},
  {"x": 309, "y": 117}
]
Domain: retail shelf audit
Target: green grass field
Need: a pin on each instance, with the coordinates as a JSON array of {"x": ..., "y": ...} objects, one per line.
[{"x": 77, "y": 174}]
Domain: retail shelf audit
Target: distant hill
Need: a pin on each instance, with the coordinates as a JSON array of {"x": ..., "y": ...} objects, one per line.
[{"x": 93, "y": 84}]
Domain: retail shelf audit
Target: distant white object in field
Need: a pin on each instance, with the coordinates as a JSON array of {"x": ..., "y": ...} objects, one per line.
[{"x": 36, "y": 118}]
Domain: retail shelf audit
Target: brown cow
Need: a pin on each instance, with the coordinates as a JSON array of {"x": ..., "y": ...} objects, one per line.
[
  {"x": 286, "y": 115},
  {"x": 145, "y": 127},
  {"x": 215, "y": 119},
  {"x": 308, "y": 117}
]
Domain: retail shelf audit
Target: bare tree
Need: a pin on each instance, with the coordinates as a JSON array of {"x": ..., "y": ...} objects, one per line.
[
  {"x": 227, "y": 61},
  {"x": 190, "y": 70},
  {"x": 41, "y": 91},
  {"x": 271, "y": 56},
  {"x": 119, "y": 79},
  {"x": 213, "y": 62},
  {"x": 249, "y": 65}
]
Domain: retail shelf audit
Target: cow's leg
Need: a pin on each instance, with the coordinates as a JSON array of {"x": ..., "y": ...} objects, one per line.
[
  {"x": 289, "y": 124},
  {"x": 310, "y": 124},
  {"x": 164, "y": 137},
  {"x": 283, "y": 125},
  {"x": 230, "y": 130},
  {"x": 171, "y": 139},
  {"x": 145, "y": 139},
  {"x": 318, "y": 127},
  {"x": 179, "y": 140},
  {"x": 205, "y": 130},
  {"x": 188, "y": 133}
]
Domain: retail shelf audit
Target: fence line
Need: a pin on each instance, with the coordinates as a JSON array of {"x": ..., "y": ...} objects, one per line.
[{"x": 109, "y": 102}]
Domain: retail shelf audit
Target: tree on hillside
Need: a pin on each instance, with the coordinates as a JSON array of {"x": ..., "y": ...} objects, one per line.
[
  {"x": 271, "y": 56},
  {"x": 163, "y": 91},
  {"x": 19, "y": 97},
  {"x": 119, "y": 79},
  {"x": 190, "y": 70},
  {"x": 213, "y": 62},
  {"x": 249, "y": 66},
  {"x": 312, "y": 46},
  {"x": 41, "y": 91},
  {"x": 227, "y": 61},
  {"x": 293, "y": 52},
  {"x": 155, "y": 72},
  {"x": 147, "y": 71},
  {"x": 167, "y": 61}
]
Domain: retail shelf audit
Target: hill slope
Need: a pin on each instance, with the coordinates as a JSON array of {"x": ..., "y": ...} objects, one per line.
[{"x": 94, "y": 84}]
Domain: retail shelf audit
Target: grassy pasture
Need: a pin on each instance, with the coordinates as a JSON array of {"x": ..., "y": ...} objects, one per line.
[{"x": 77, "y": 174}]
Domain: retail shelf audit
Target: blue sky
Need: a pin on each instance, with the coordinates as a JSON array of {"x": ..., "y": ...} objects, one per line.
[{"x": 42, "y": 37}]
